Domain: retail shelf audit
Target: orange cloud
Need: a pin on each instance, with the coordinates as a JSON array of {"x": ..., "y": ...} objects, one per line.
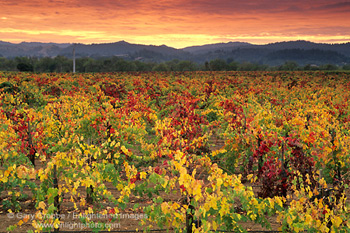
[{"x": 174, "y": 23}]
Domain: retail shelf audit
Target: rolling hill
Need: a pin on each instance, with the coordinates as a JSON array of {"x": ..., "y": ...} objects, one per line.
[{"x": 302, "y": 52}]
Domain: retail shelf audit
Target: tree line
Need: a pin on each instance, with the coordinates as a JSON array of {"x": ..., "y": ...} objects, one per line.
[{"x": 61, "y": 64}]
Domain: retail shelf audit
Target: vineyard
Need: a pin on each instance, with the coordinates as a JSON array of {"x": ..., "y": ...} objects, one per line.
[{"x": 185, "y": 152}]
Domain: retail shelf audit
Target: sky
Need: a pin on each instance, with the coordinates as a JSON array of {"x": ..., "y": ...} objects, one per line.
[{"x": 177, "y": 24}]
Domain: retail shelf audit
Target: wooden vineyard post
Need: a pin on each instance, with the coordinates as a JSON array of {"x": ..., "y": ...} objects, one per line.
[
  {"x": 190, "y": 212},
  {"x": 57, "y": 197},
  {"x": 190, "y": 209},
  {"x": 89, "y": 194},
  {"x": 32, "y": 151},
  {"x": 337, "y": 176},
  {"x": 90, "y": 189},
  {"x": 338, "y": 186},
  {"x": 109, "y": 127},
  {"x": 189, "y": 215},
  {"x": 260, "y": 162},
  {"x": 284, "y": 174}
]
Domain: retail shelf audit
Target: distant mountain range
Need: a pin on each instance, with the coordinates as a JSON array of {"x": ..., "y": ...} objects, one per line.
[{"x": 302, "y": 52}]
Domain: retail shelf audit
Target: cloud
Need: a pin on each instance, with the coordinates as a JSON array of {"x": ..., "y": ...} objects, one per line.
[
  {"x": 338, "y": 5},
  {"x": 174, "y": 22}
]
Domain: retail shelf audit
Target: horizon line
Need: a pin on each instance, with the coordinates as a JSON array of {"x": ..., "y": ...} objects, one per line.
[{"x": 97, "y": 43}]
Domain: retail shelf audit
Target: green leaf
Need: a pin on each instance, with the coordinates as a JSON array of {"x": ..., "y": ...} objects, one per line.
[
  {"x": 136, "y": 206},
  {"x": 159, "y": 200}
]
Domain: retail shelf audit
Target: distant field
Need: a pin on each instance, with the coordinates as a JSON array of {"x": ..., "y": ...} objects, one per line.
[{"x": 237, "y": 151}]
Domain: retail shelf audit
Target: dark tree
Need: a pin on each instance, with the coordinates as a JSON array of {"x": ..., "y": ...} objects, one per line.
[
  {"x": 25, "y": 67},
  {"x": 218, "y": 65}
]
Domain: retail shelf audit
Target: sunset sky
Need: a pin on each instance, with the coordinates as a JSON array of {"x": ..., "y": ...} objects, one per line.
[{"x": 174, "y": 23}]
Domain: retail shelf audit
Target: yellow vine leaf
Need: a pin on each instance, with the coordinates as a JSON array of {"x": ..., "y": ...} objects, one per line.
[
  {"x": 42, "y": 205},
  {"x": 336, "y": 220}
]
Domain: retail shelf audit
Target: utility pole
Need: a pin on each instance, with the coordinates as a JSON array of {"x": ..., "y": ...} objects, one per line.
[{"x": 73, "y": 58}]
